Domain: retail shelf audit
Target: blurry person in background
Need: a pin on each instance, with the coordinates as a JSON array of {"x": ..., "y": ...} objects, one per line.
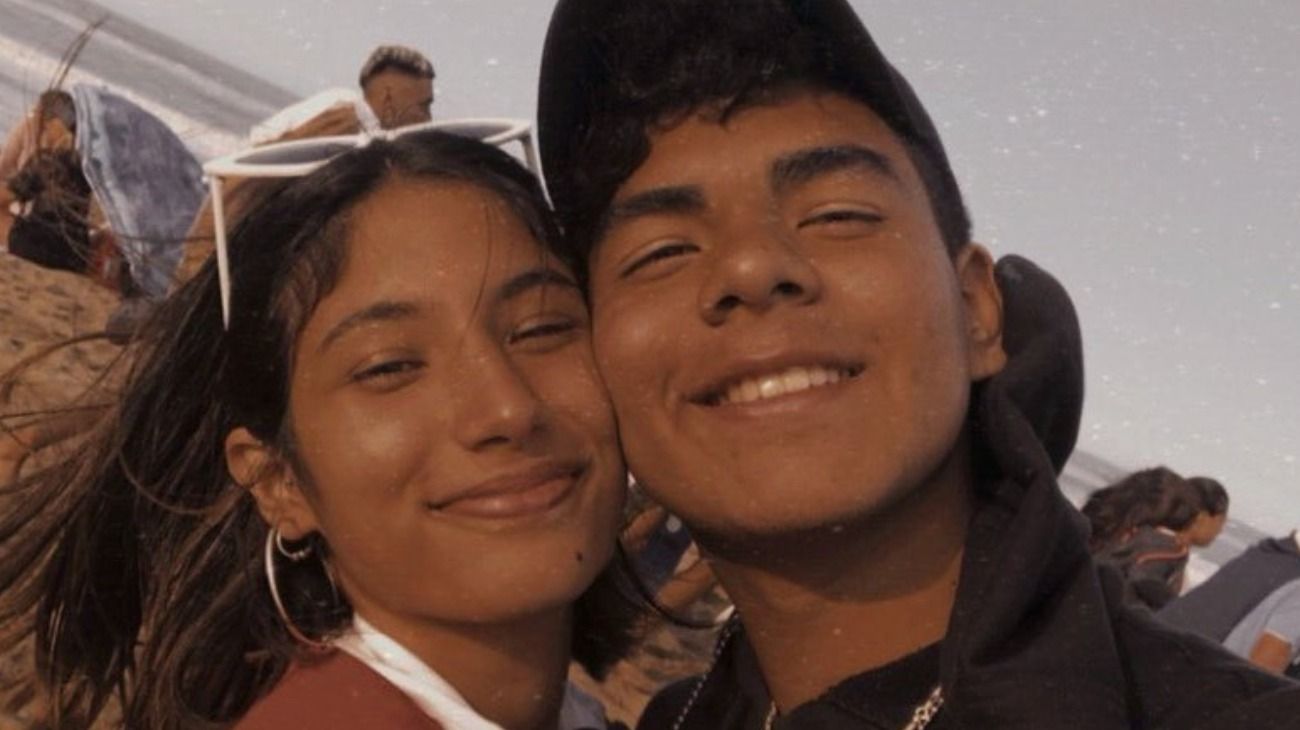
[
  {"x": 1145, "y": 524},
  {"x": 670, "y": 573},
  {"x": 397, "y": 83},
  {"x": 1215, "y": 608},
  {"x": 395, "y": 89},
  {"x": 1269, "y": 635},
  {"x": 1141, "y": 526},
  {"x": 96, "y": 184}
]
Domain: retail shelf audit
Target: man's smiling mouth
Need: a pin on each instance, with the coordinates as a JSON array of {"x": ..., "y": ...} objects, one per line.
[{"x": 776, "y": 384}]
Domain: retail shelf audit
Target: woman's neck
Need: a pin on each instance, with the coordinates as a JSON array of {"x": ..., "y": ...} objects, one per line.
[
  {"x": 512, "y": 673},
  {"x": 837, "y": 604}
]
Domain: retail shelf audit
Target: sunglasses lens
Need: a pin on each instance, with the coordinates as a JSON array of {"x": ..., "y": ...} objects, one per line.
[{"x": 295, "y": 154}]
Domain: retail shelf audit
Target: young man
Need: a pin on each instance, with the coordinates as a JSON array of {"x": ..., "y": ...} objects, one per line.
[
  {"x": 395, "y": 90},
  {"x": 809, "y": 361},
  {"x": 397, "y": 83}
]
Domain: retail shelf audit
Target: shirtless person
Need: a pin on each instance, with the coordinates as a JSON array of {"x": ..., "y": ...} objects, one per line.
[{"x": 394, "y": 89}]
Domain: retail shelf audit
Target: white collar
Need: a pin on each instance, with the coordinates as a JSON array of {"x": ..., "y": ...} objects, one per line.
[{"x": 434, "y": 696}]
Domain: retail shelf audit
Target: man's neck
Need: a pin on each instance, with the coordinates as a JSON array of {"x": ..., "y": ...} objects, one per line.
[
  {"x": 824, "y": 607},
  {"x": 512, "y": 673}
]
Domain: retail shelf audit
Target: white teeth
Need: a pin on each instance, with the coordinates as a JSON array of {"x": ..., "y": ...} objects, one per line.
[
  {"x": 796, "y": 380},
  {"x": 774, "y": 385},
  {"x": 771, "y": 386}
]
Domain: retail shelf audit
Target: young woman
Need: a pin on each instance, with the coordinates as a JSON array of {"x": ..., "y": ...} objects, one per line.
[
  {"x": 1144, "y": 525},
  {"x": 379, "y": 498}
]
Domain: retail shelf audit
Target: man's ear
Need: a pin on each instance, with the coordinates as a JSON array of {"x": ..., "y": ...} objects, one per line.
[
  {"x": 983, "y": 300},
  {"x": 264, "y": 473}
]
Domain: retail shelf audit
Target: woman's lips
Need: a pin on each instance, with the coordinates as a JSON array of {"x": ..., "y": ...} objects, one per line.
[{"x": 516, "y": 495}]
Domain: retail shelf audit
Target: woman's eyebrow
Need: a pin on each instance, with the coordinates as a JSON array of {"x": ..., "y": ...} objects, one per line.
[
  {"x": 381, "y": 311},
  {"x": 801, "y": 166},
  {"x": 533, "y": 278}
]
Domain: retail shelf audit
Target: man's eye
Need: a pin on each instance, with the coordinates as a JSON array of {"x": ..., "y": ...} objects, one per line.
[
  {"x": 661, "y": 253},
  {"x": 841, "y": 215}
]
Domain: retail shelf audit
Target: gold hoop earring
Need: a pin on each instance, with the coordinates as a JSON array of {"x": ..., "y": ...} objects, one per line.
[{"x": 274, "y": 543}]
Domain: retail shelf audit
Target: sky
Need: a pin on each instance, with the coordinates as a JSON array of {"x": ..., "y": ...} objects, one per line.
[{"x": 1144, "y": 151}]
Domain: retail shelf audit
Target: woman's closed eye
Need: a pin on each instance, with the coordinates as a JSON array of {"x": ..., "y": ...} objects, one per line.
[
  {"x": 658, "y": 254},
  {"x": 388, "y": 373},
  {"x": 544, "y": 332}
]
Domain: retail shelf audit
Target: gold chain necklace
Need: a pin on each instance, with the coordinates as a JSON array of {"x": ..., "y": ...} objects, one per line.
[{"x": 921, "y": 716}]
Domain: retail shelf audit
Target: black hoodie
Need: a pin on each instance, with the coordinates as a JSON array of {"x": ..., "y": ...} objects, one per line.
[{"x": 1040, "y": 637}]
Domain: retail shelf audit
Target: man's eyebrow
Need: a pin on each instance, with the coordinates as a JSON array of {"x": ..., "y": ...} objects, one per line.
[
  {"x": 533, "y": 278},
  {"x": 655, "y": 201},
  {"x": 383, "y": 311},
  {"x": 801, "y": 166}
]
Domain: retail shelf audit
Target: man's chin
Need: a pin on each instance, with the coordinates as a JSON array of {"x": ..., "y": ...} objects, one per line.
[{"x": 761, "y": 530}]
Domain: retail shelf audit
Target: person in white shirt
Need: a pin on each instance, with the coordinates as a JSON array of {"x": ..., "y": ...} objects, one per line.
[{"x": 1269, "y": 635}]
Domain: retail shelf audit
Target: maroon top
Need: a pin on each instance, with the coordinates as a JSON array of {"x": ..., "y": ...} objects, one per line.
[{"x": 338, "y": 692}]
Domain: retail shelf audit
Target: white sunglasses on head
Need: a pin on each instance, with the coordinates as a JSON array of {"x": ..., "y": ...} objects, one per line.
[{"x": 300, "y": 157}]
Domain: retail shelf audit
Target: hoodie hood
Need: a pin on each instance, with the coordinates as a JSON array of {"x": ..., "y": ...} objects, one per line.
[{"x": 1043, "y": 378}]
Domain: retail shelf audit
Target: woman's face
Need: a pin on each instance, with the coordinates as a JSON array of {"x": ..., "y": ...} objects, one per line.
[{"x": 460, "y": 453}]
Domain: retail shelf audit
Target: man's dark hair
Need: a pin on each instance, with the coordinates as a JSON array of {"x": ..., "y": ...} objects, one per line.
[
  {"x": 401, "y": 58},
  {"x": 673, "y": 58}
]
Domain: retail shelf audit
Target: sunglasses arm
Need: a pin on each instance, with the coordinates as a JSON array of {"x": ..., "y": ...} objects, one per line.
[
  {"x": 530, "y": 155},
  {"x": 223, "y": 257}
]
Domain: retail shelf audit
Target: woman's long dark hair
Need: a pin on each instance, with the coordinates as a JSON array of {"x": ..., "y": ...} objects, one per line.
[
  {"x": 1155, "y": 497},
  {"x": 136, "y": 565}
]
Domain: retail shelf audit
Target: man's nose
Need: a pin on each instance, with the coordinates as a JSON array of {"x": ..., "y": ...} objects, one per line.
[{"x": 757, "y": 270}]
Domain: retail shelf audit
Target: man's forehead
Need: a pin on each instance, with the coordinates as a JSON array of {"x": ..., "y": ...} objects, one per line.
[
  {"x": 780, "y": 133},
  {"x": 394, "y": 76}
]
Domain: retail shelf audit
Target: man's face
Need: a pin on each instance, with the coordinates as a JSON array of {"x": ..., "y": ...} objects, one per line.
[
  {"x": 786, "y": 340},
  {"x": 399, "y": 98}
]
